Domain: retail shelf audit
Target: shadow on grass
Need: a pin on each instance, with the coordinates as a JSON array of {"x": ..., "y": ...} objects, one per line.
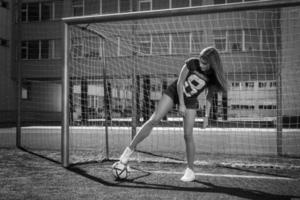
[
  {"x": 39, "y": 155},
  {"x": 135, "y": 183},
  {"x": 160, "y": 156}
]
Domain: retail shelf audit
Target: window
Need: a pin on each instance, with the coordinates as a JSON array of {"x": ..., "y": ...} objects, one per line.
[
  {"x": 144, "y": 44},
  {"x": 236, "y": 84},
  {"x": 180, "y": 3},
  {"x": 268, "y": 40},
  {"x": 33, "y": 49},
  {"x": 3, "y": 42},
  {"x": 219, "y": 1},
  {"x": 273, "y": 84},
  {"x": 197, "y": 41},
  {"x": 242, "y": 107},
  {"x": 197, "y": 2},
  {"x": 235, "y": 40},
  {"x": 125, "y": 5},
  {"x": 238, "y": 40},
  {"x": 231, "y": 1},
  {"x": 249, "y": 84},
  {"x": 45, "y": 49},
  {"x": 26, "y": 88},
  {"x": 3, "y": 4},
  {"x": 93, "y": 47},
  {"x": 88, "y": 47},
  {"x": 45, "y": 11},
  {"x": 180, "y": 43},
  {"x": 220, "y": 39},
  {"x": 77, "y": 6},
  {"x": 262, "y": 84},
  {"x": 160, "y": 44},
  {"x": 124, "y": 48},
  {"x": 161, "y": 4},
  {"x": 235, "y": 107},
  {"x": 109, "y": 6},
  {"x": 267, "y": 107},
  {"x": 57, "y": 49},
  {"x": 39, "y": 49},
  {"x": 77, "y": 47},
  {"x": 33, "y": 12},
  {"x": 252, "y": 39},
  {"x": 58, "y": 10},
  {"x": 115, "y": 6},
  {"x": 145, "y": 5},
  {"x": 91, "y": 7},
  {"x": 24, "y": 11},
  {"x": 24, "y": 50}
]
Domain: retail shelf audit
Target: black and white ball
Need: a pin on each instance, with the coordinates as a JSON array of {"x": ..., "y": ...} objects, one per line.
[{"x": 119, "y": 170}]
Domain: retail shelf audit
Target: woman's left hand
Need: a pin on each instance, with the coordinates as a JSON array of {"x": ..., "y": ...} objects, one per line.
[{"x": 181, "y": 110}]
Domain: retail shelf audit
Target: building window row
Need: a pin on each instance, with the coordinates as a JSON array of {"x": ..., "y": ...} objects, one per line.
[
  {"x": 150, "y": 44},
  {"x": 242, "y": 107},
  {"x": 170, "y": 43},
  {"x": 267, "y": 107},
  {"x": 230, "y": 1},
  {"x": 252, "y": 107},
  {"x": 88, "y": 47},
  {"x": 86, "y": 7},
  {"x": 251, "y": 84},
  {"x": 41, "y": 49},
  {"x": 41, "y": 11},
  {"x": 4, "y": 42},
  {"x": 176, "y": 43},
  {"x": 244, "y": 40}
]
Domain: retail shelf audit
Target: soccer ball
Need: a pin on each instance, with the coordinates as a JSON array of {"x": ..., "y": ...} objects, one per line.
[{"x": 119, "y": 170}]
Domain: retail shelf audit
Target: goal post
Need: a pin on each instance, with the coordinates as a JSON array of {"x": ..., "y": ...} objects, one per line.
[
  {"x": 65, "y": 103},
  {"x": 116, "y": 67},
  {"x": 66, "y": 92}
]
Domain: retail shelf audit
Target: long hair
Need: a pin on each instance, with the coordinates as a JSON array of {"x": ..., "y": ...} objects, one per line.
[{"x": 212, "y": 56}]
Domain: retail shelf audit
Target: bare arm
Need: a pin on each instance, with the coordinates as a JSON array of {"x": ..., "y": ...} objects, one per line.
[
  {"x": 207, "y": 108},
  {"x": 208, "y": 105},
  {"x": 180, "y": 83}
]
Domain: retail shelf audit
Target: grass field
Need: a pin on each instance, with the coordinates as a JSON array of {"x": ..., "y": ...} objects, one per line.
[
  {"x": 254, "y": 141},
  {"x": 28, "y": 175}
]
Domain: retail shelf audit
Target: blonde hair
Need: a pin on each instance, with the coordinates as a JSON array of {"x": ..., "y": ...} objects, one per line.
[{"x": 212, "y": 56}]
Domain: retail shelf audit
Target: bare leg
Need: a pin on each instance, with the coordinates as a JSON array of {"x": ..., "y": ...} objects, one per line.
[
  {"x": 164, "y": 106},
  {"x": 189, "y": 120}
]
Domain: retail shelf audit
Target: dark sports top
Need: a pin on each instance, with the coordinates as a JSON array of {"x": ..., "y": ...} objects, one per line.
[{"x": 196, "y": 80}]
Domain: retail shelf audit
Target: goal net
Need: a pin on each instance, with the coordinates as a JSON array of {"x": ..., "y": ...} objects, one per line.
[{"x": 118, "y": 66}]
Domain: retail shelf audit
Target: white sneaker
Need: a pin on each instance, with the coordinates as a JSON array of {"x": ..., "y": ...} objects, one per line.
[
  {"x": 125, "y": 155},
  {"x": 188, "y": 176}
]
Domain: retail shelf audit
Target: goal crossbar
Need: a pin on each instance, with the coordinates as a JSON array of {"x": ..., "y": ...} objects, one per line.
[{"x": 181, "y": 11}]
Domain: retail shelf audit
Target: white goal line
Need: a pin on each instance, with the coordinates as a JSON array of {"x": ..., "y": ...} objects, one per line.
[
  {"x": 215, "y": 129},
  {"x": 224, "y": 175}
]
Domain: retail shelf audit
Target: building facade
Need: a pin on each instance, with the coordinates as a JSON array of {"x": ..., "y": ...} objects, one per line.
[
  {"x": 7, "y": 85},
  {"x": 37, "y": 34}
]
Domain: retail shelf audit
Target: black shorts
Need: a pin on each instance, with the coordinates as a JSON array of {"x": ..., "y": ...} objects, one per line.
[{"x": 171, "y": 91}]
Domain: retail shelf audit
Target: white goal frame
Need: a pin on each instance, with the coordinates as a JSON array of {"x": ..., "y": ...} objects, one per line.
[{"x": 156, "y": 14}]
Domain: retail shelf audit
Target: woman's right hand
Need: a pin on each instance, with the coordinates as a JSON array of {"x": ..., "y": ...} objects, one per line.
[
  {"x": 205, "y": 122},
  {"x": 182, "y": 109}
]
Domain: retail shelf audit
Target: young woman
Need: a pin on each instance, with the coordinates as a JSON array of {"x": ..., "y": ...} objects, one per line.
[{"x": 197, "y": 75}]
